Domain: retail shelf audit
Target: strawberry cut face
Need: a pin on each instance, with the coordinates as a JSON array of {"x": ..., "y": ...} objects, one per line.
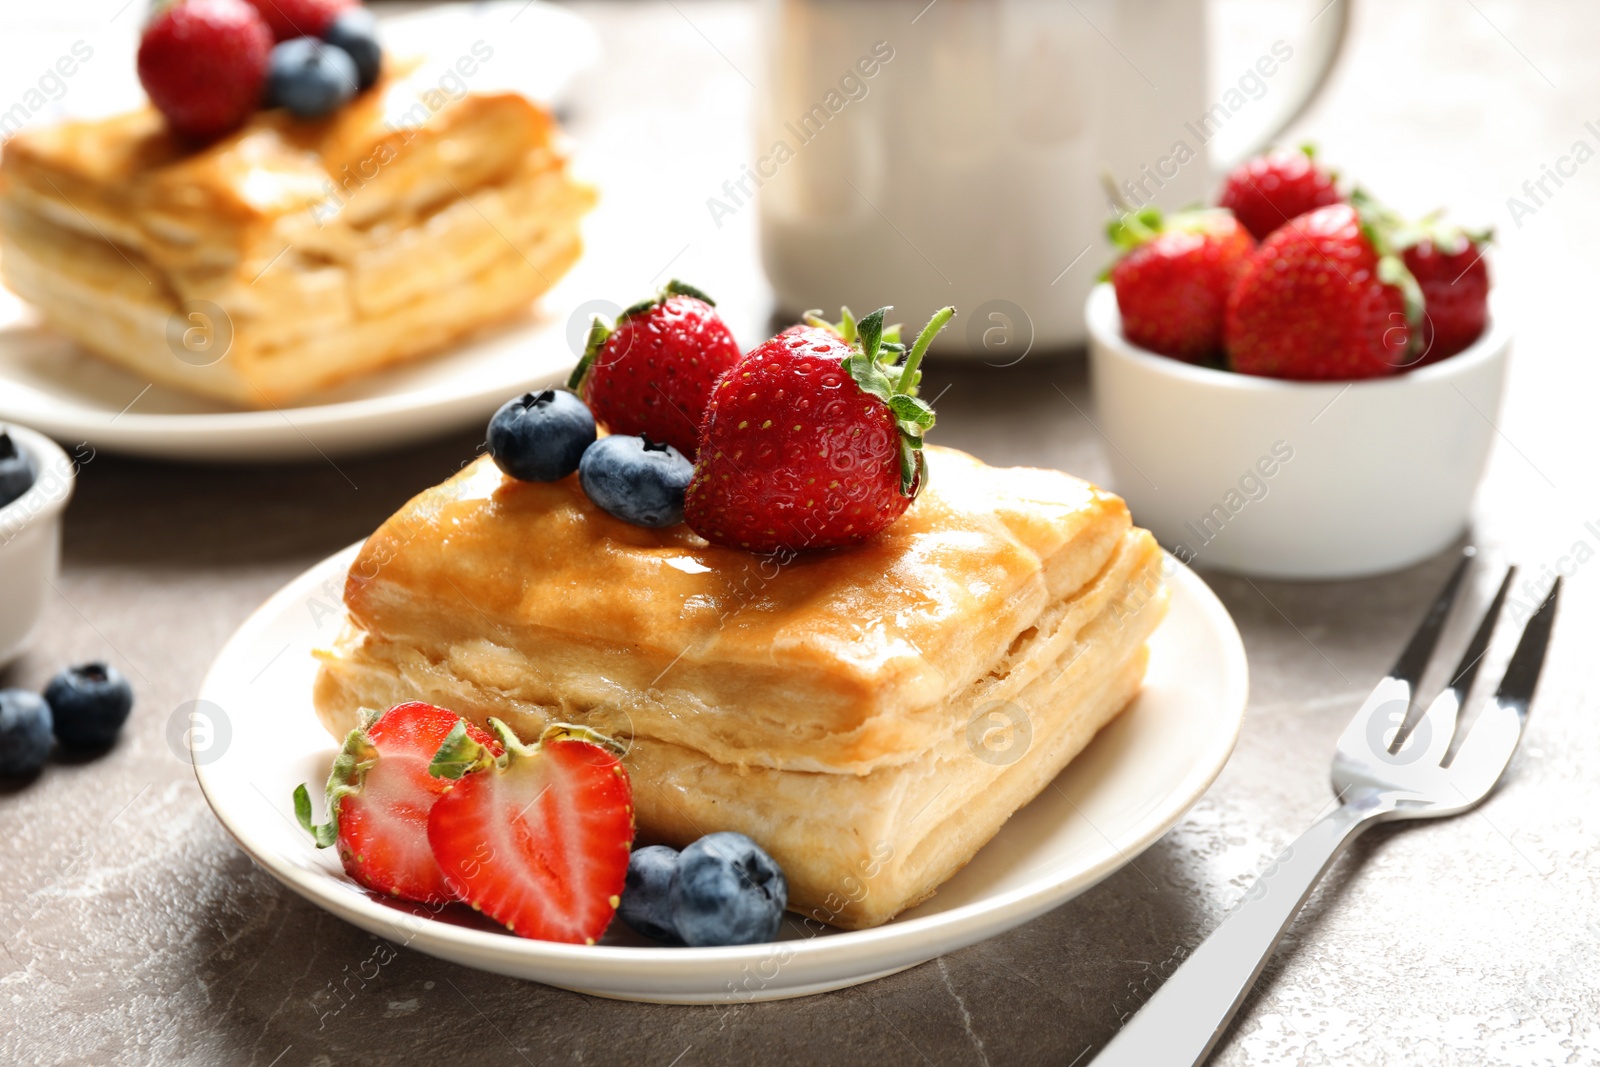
[
  {"x": 537, "y": 839},
  {"x": 381, "y": 795}
]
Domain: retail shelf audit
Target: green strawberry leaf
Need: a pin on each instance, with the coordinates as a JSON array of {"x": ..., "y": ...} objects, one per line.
[
  {"x": 599, "y": 334},
  {"x": 847, "y": 326},
  {"x": 909, "y": 409},
  {"x": 862, "y": 364},
  {"x": 638, "y": 309},
  {"x": 913, "y": 468},
  {"x": 871, "y": 334},
  {"x": 459, "y": 754},
  {"x": 356, "y": 757},
  {"x": 677, "y": 288}
]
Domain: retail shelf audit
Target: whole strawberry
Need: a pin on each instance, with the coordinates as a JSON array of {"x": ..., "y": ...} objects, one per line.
[
  {"x": 1265, "y": 192},
  {"x": 814, "y": 440},
  {"x": 380, "y": 794},
  {"x": 1450, "y": 270},
  {"x": 1173, "y": 282},
  {"x": 300, "y": 18},
  {"x": 203, "y": 63},
  {"x": 1324, "y": 298},
  {"x": 653, "y": 371}
]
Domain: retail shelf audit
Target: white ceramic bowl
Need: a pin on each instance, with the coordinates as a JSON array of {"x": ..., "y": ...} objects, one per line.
[
  {"x": 30, "y": 540},
  {"x": 1295, "y": 479}
]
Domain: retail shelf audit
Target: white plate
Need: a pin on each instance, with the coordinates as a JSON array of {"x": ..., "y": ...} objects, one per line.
[
  {"x": 49, "y": 383},
  {"x": 255, "y": 738}
]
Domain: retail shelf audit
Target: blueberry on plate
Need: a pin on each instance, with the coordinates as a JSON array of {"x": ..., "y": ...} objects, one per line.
[
  {"x": 540, "y": 437},
  {"x": 24, "y": 732},
  {"x": 728, "y": 892},
  {"x": 16, "y": 470},
  {"x": 636, "y": 480},
  {"x": 89, "y": 703},
  {"x": 355, "y": 29},
  {"x": 310, "y": 77},
  {"x": 646, "y": 904}
]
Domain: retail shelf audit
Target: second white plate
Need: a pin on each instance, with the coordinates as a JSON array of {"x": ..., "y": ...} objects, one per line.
[
  {"x": 50, "y": 384},
  {"x": 254, "y": 738}
]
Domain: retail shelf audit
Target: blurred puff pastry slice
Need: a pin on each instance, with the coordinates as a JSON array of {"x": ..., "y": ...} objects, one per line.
[
  {"x": 406, "y": 220},
  {"x": 871, "y": 716}
]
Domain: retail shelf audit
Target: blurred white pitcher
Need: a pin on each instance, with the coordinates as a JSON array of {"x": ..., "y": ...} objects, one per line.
[{"x": 922, "y": 154}]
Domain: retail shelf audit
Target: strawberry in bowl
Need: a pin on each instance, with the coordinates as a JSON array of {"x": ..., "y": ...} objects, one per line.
[
  {"x": 1325, "y": 297},
  {"x": 1265, "y": 192},
  {"x": 1174, "y": 278},
  {"x": 1350, "y": 418}
]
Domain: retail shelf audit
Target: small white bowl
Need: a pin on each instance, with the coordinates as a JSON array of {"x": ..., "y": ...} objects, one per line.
[
  {"x": 1290, "y": 479},
  {"x": 30, "y": 540}
]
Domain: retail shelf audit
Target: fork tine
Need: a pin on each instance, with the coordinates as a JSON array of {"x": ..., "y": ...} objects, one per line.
[
  {"x": 1444, "y": 709},
  {"x": 1527, "y": 662},
  {"x": 1490, "y": 743},
  {"x": 1414, "y": 660},
  {"x": 1398, "y": 688}
]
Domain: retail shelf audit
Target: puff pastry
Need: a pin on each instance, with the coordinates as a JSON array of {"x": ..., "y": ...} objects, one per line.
[
  {"x": 872, "y": 716},
  {"x": 334, "y": 248}
]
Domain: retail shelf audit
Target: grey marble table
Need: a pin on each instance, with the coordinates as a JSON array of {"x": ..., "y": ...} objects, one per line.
[{"x": 135, "y": 931}]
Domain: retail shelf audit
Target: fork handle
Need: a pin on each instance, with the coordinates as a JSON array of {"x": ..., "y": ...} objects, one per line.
[{"x": 1186, "y": 1016}]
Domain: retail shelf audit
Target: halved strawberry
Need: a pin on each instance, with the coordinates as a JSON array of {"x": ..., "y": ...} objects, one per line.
[
  {"x": 380, "y": 794},
  {"x": 536, "y": 838}
]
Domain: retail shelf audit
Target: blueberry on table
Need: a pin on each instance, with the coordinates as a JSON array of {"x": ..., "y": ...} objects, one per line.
[
  {"x": 728, "y": 892},
  {"x": 89, "y": 703},
  {"x": 355, "y": 30},
  {"x": 16, "y": 470},
  {"x": 310, "y": 77},
  {"x": 636, "y": 480},
  {"x": 540, "y": 437},
  {"x": 646, "y": 895},
  {"x": 24, "y": 732}
]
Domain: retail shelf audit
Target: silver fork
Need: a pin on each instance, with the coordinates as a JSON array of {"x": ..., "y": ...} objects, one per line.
[{"x": 1377, "y": 778}]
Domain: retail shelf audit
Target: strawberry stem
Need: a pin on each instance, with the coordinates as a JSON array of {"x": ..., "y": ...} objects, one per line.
[
  {"x": 919, "y": 348},
  {"x": 514, "y": 747},
  {"x": 570, "y": 731}
]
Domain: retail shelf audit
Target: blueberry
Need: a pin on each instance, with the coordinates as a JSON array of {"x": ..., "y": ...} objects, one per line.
[
  {"x": 540, "y": 437},
  {"x": 24, "y": 732},
  {"x": 355, "y": 30},
  {"x": 645, "y": 896},
  {"x": 310, "y": 78},
  {"x": 636, "y": 480},
  {"x": 89, "y": 704},
  {"x": 728, "y": 892},
  {"x": 16, "y": 470}
]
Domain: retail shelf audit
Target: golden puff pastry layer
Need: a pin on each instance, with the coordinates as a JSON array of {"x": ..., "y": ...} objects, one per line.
[
  {"x": 334, "y": 248},
  {"x": 857, "y": 712}
]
